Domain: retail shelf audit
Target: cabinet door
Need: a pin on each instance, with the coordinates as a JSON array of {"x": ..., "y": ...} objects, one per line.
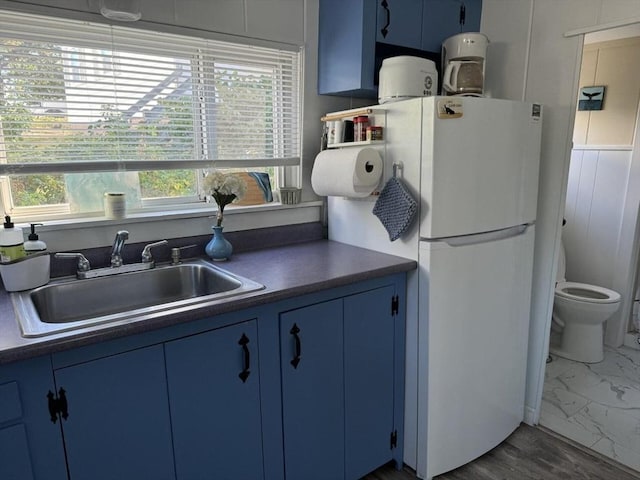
[
  {"x": 313, "y": 391},
  {"x": 399, "y": 22},
  {"x": 346, "y": 48},
  {"x": 30, "y": 443},
  {"x": 118, "y": 424},
  {"x": 441, "y": 20},
  {"x": 15, "y": 461},
  {"x": 214, "y": 394},
  {"x": 369, "y": 380}
]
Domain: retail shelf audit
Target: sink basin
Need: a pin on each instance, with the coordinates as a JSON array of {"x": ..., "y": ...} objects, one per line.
[{"x": 70, "y": 304}]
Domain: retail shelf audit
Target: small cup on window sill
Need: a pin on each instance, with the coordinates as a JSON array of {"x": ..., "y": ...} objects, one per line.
[
  {"x": 289, "y": 195},
  {"x": 115, "y": 205}
]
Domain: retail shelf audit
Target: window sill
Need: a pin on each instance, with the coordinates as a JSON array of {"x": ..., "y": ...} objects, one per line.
[{"x": 80, "y": 233}]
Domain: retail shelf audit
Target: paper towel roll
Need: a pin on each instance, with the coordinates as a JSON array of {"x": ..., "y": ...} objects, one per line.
[{"x": 346, "y": 172}]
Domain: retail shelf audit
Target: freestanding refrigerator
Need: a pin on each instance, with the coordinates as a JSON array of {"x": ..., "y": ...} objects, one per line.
[{"x": 473, "y": 165}]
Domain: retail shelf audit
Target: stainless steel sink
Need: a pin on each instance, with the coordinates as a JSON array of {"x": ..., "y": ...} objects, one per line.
[{"x": 70, "y": 304}]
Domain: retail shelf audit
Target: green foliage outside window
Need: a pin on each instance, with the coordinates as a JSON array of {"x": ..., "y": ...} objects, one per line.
[{"x": 159, "y": 128}]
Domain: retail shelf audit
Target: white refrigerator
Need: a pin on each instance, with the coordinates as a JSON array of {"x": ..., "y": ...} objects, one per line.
[{"x": 472, "y": 165}]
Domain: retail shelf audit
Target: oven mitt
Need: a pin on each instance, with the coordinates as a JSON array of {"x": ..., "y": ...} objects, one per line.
[{"x": 395, "y": 208}]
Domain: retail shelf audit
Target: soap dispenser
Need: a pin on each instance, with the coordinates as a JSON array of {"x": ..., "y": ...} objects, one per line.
[
  {"x": 34, "y": 244},
  {"x": 11, "y": 242}
]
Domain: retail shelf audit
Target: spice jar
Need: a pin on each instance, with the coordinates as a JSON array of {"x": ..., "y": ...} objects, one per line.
[
  {"x": 360, "y": 125},
  {"x": 374, "y": 132}
]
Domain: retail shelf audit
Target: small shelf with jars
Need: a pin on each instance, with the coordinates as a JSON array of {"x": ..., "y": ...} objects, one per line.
[{"x": 352, "y": 128}]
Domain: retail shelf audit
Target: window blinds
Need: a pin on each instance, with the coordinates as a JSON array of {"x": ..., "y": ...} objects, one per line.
[{"x": 79, "y": 96}]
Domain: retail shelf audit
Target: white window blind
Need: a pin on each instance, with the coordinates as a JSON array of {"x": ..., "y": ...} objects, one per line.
[{"x": 83, "y": 97}]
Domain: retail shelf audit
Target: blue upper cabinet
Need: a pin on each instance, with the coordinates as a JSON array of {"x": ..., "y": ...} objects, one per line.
[
  {"x": 355, "y": 36},
  {"x": 399, "y": 22},
  {"x": 346, "y": 47}
]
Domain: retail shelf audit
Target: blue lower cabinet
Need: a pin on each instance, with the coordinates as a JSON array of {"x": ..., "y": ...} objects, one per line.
[
  {"x": 339, "y": 364},
  {"x": 30, "y": 443},
  {"x": 214, "y": 396},
  {"x": 315, "y": 381},
  {"x": 118, "y": 424},
  {"x": 15, "y": 461},
  {"x": 313, "y": 391},
  {"x": 369, "y": 381}
]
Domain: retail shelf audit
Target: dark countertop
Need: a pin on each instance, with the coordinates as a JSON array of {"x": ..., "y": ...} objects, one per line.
[{"x": 286, "y": 272}]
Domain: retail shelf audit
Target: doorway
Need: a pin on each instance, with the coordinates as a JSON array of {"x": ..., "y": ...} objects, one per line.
[{"x": 598, "y": 405}]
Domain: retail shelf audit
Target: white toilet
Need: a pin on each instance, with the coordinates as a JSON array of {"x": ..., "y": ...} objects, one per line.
[{"x": 581, "y": 310}]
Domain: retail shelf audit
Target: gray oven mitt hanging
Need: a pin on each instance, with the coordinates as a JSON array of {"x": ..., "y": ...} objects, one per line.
[{"x": 395, "y": 208}]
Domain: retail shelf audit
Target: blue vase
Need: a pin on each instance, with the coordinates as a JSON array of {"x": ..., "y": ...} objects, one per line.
[{"x": 218, "y": 249}]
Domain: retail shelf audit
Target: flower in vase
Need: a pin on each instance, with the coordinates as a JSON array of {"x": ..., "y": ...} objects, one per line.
[{"x": 225, "y": 188}]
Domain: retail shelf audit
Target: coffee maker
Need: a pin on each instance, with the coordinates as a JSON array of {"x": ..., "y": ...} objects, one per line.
[{"x": 463, "y": 61}]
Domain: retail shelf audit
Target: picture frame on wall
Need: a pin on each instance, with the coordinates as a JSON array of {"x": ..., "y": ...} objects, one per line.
[{"x": 591, "y": 98}]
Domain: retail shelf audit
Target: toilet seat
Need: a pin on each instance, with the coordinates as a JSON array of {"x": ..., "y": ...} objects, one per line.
[{"x": 583, "y": 292}]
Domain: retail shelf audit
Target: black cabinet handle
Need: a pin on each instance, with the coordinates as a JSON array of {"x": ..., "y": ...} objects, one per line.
[
  {"x": 295, "y": 331},
  {"x": 62, "y": 402},
  {"x": 244, "y": 374},
  {"x": 385, "y": 29},
  {"x": 53, "y": 406},
  {"x": 57, "y": 405}
]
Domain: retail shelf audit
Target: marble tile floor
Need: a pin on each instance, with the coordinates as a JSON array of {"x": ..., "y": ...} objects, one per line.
[{"x": 596, "y": 405}]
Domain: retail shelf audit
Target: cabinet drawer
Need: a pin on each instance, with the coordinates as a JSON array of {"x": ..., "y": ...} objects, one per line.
[{"x": 10, "y": 401}]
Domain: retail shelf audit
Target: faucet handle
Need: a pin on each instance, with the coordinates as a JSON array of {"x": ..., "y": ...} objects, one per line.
[
  {"x": 146, "y": 251},
  {"x": 83, "y": 263}
]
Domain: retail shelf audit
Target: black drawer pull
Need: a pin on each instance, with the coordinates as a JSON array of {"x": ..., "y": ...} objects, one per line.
[
  {"x": 244, "y": 374},
  {"x": 295, "y": 331}
]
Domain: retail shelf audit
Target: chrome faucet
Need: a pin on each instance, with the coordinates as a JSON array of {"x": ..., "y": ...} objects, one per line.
[
  {"x": 84, "y": 268},
  {"x": 118, "y": 244}
]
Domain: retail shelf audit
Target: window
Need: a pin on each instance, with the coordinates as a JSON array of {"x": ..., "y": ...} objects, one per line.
[{"x": 87, "y": 108}]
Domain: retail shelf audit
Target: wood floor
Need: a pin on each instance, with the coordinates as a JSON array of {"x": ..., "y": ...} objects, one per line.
[{"x": 530, "y": 453}]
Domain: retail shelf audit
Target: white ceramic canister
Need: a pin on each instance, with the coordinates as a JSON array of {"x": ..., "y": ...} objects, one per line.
[
  {"x": 115, "y": 205},
  {"x": 407, "y": 77}
]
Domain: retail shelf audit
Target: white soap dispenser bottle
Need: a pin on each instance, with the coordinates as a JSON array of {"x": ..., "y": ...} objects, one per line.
[
  {"x": 11, "y": 242},
  {"x": 34, "y": 244}
]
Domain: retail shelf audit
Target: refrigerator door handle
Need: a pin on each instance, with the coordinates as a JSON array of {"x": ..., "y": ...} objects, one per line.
[{"x": 462, "y": 240}]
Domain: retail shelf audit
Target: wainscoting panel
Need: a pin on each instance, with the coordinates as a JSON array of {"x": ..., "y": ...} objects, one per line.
[{"x": 595, "y": 202}]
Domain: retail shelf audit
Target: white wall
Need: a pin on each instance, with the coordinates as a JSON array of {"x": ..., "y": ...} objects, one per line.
[
  {"x": 596, "y": 194},
  {"x": 262, "y": 22},
  {"x": 531, "y": 59},
  {"x": 627, "y": 255},
  {"x": 272, "y": 20}
]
